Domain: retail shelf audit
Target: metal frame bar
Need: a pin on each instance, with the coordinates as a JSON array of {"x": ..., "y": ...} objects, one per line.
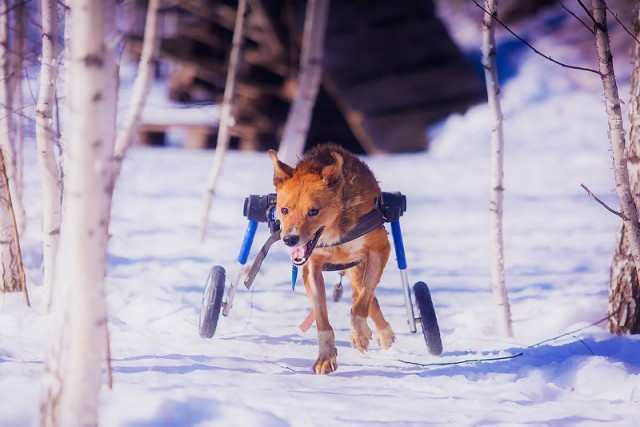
[
  {"x": 243, "y": 256},
  {"x": 401, "y": 259}
]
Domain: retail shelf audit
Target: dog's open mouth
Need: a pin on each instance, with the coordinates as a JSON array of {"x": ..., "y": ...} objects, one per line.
[{"x": 301, "y": 254}]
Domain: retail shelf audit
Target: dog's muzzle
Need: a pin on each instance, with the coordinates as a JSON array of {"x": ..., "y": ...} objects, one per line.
[{"x": 300, "y": 255}]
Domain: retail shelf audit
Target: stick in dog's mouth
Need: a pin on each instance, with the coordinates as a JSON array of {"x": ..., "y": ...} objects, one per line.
[{"x": 301, "y": 254}]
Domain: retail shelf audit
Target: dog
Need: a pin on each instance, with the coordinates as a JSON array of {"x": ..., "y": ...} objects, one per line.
[{"x": 319, "y": 202}]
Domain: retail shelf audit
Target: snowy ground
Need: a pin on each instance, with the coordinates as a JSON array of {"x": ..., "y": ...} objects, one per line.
[{"x": 559, "y": 369}]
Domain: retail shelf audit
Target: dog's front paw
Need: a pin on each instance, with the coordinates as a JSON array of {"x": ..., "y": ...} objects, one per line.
[
  {"x": 327, "y": 354},
  {"x": 327, "y": 365},
  {"x": 386, "y": 337},
  {"x": 360, "y": 333}
]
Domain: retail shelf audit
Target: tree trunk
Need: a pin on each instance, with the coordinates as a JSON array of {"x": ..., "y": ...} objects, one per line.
[
  {"x": 18, "y": 96},
  {"x": 225, "y": 115},
  {"x": 6, "y": 111},
  {"x": 45, "y": 142},
  {"x": 62, "y": 86},
  {"x": 500, "y": 294},
  {"x": 11, "y": 268},
  {"x": 309, "y": 77},
  {"x": 628, "y": 208},
  {"x": 624, "y": 289},
  {"x": 9, "y": 272},
  {"x": 141, "y": 85},
  {"x": 77, "y": 346}
]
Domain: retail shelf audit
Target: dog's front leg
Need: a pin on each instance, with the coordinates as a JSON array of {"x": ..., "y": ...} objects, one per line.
[{"x": 327, "y": 352}]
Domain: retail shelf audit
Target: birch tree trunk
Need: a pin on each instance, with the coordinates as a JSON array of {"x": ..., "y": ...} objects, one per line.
[
  {"x": 624, "y": 289},
  {"x": 77, "y": 344},
  {"x": 309, "y": 78},
  {"x": 500, "y": 294},
  {"x": 141, "y": 85},
  {"x": 18, "y": 96},
  {"x": 616, "y": 131},
  {"x": 45, "y": 142},
  {"x": 62, "y": 90},
  {"x": 12, "y": 274},
  {"x": 9, "y": 268},
  {"x": 222, "y": 143},
  {"x": 6, "y": 111}
]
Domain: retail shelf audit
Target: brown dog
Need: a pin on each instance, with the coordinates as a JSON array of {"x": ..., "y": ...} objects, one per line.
[{"x": 318, "y": 204}]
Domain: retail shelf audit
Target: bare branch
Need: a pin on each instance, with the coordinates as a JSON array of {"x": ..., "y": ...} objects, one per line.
[
  {"x": 601, "y": 202},
  {"x": 460, "y": 362},
  {"x": 584, "y": 343},
  {"x": 588, "y": 12},
  {"x": 570, "y": 332},
  {"x": 615, "y": 15},
  {"x": 577, "y": 18},
  {"x": 573, "y": 67},
  {"x": 279, "y": 365}
]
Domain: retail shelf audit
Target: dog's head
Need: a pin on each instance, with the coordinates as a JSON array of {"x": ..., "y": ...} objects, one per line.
[{"x": 309, "y": 200}]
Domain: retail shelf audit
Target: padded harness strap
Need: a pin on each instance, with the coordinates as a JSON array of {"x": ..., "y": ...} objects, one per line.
[
  {"x": 367, "y": 223},
  {"x": 339, "y": 267},
  {"x": 255, "y": 267}
]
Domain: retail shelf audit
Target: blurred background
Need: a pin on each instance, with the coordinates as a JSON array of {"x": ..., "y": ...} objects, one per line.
[{"x": 391, "y": 69}]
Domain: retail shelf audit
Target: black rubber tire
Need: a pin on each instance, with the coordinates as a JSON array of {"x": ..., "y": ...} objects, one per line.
[
  {"x": 428, "y": 319},
  {"x": 212, "y": 301}
]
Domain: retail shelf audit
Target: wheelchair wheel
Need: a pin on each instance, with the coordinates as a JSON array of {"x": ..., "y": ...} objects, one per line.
[
  {"x": 212, "y": 302},
  {"x": 428, "y": 319}
]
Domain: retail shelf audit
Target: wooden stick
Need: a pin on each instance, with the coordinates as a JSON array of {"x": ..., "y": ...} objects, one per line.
[
  {"x": 226, "y": 118},
  {"x": 141, "y": 86},
  {"x": 296, "y": 129},
  {"x": 498, "y": 278}
]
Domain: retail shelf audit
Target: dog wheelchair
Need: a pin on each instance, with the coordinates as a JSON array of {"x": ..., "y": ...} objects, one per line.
[{"x": 262, "y": 208}]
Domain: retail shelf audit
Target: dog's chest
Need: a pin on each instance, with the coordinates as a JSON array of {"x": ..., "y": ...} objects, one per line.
[{"x": 343, "y": 253}]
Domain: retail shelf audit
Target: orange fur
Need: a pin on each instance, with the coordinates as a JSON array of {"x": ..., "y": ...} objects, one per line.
[{"x": 333, "y": 189}]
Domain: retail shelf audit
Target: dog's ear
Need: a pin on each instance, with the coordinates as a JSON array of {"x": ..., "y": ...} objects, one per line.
[
  {"x": 281, "y": 171},
  {"x": 332, "y": 174}
]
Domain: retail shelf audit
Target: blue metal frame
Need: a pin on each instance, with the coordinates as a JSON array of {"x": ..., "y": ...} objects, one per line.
[
  {"x": 398, "y": 244},
  {"x": 243, "y": 256},
  {"x": 401, "y": 259},
  {"x": 396, "y": 232},
  {"x": 247, "y": 242}
]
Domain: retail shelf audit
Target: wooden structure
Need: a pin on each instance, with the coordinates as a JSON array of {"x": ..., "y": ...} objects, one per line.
[
  {"x": 196, "y": 135},
  {"x": 391, "y": 69}
]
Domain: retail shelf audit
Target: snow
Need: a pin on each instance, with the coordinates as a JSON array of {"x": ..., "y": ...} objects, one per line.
[
  {"x": 560, "y": 368},
  {"x": 159, "y": 109}
]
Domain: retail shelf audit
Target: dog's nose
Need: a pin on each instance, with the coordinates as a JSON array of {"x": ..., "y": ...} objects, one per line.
[{"x": 290, "y": 239}]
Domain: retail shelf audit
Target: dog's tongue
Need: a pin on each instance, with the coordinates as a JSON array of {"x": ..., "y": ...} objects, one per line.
[{"x": 298, "y": 253}]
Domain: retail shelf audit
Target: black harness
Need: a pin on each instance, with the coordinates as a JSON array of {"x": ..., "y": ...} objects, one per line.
[
  {"x": 261, "y": 208},
  {"x": 366, "y": 224}
]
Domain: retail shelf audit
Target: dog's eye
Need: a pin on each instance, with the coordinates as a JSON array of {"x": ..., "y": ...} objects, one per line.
[
  {"x": 313, "y": 212},
  {"x": 284, "y": 211}
]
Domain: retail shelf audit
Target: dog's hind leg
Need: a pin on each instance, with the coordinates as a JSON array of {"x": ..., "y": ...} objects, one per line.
[
  {"x": 364, "y": 279},
  {"x": 384, "y": 333},
  {"x": 327, "y": 353}
]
